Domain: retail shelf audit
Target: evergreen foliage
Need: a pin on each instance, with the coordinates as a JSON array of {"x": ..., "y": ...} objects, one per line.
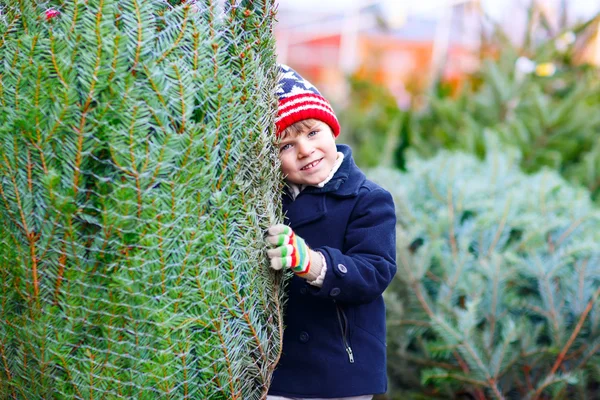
[
  {"x": 553, "y": 119},
  {"x": 550, "y": 114},
  {"x": 137, "y": 176},
  {"x": 498, "y": 283},
  {"x": 370, "y": 122}
]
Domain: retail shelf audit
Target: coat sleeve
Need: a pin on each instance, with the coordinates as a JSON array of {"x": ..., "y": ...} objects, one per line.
[{"x": 360, "y": 272}]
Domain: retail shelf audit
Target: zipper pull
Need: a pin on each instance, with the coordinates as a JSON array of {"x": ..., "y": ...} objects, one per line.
[{"x": 350, "y": 354}]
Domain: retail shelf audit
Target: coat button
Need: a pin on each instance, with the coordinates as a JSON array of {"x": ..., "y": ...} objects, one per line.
[
  {"x": 304, "y": 337},
  {"x": 342, "y": 268},
  {"x": 303, "y": 290},
  {"x": 335, "y": 291}
]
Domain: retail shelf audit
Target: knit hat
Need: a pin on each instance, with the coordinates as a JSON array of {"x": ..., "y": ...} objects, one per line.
[{"x": 298, "y": 100}]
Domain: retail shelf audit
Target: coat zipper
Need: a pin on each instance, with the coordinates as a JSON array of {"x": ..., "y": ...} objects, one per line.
[{"x": 344, "y": 329}]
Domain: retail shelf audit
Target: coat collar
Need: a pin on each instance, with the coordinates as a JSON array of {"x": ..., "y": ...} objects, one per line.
[{"x": 347, "y": 180}]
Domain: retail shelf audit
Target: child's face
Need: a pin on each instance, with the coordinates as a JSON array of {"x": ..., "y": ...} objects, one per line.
[{"x": 307, "y": 158}]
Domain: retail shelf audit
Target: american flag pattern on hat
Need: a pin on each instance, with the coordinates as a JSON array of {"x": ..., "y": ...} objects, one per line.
[{"x": 299, "y": 99}]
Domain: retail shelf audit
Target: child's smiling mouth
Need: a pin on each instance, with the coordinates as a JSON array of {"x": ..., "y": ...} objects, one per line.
[{"x": 311, "y": 165}]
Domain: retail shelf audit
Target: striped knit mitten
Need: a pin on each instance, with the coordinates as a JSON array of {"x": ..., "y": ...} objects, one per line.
[{"x": 291, "y": 251}]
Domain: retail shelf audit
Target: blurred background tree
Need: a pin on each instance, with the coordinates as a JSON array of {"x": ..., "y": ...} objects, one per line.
[
  {"x": 498, "y": 284},
  {"x": 371, "y": 123},
  {"x": 541, "y": 96}
]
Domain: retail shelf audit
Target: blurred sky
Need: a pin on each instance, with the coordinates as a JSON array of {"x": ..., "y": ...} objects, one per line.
[{"x": 498, "y": 9}]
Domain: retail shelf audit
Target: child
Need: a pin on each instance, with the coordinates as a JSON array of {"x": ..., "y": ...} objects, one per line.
[{"x": 339, "y": 240}]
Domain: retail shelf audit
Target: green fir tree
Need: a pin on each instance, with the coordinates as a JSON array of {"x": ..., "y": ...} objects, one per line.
[
  {"x": 137, "y": 176},
  {"x": 497, "y": 294},
  {"x": 534, "y": 96},
  {"x": 538, "y": 96},
  {"x": 371, "y": 121}
]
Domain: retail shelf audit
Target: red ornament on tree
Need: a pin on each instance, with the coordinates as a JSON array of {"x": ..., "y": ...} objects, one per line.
[{"x": 51, "y": 13}]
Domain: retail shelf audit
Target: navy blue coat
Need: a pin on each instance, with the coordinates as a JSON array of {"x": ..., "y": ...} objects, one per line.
[{"x": 334, "y": 338}]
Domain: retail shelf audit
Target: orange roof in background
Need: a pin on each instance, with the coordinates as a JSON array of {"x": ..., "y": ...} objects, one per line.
[
  {"x": 399, "y": 64},
  {"x": 332, "y": 40}
]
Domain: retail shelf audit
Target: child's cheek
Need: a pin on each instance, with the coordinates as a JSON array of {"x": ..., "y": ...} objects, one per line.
[{"x": 287, "y": 163}]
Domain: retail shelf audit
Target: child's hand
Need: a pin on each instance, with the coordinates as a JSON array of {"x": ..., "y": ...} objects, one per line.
[{"x": 291, "y": 251}]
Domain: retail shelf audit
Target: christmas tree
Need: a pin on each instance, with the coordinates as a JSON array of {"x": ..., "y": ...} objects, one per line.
[
  {"x": 537, "y": 96},
  {"x": 498, "y": 286},
  {"x": 371, "y": 120},
  {"x": 136, "y": 178}
]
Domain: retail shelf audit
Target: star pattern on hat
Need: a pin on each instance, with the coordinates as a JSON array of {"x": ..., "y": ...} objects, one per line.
[
  {"x": 299, "y": 100},
  {"x": 291, "y": 83}
]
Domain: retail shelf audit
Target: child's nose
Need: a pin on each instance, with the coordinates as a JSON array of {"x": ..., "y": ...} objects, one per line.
[{"x": 304, "y": 149}]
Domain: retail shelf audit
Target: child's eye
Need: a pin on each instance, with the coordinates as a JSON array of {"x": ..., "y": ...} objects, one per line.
[
  {"x": 312, "y": 133},
  {"x": 285, "y": 147}
]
